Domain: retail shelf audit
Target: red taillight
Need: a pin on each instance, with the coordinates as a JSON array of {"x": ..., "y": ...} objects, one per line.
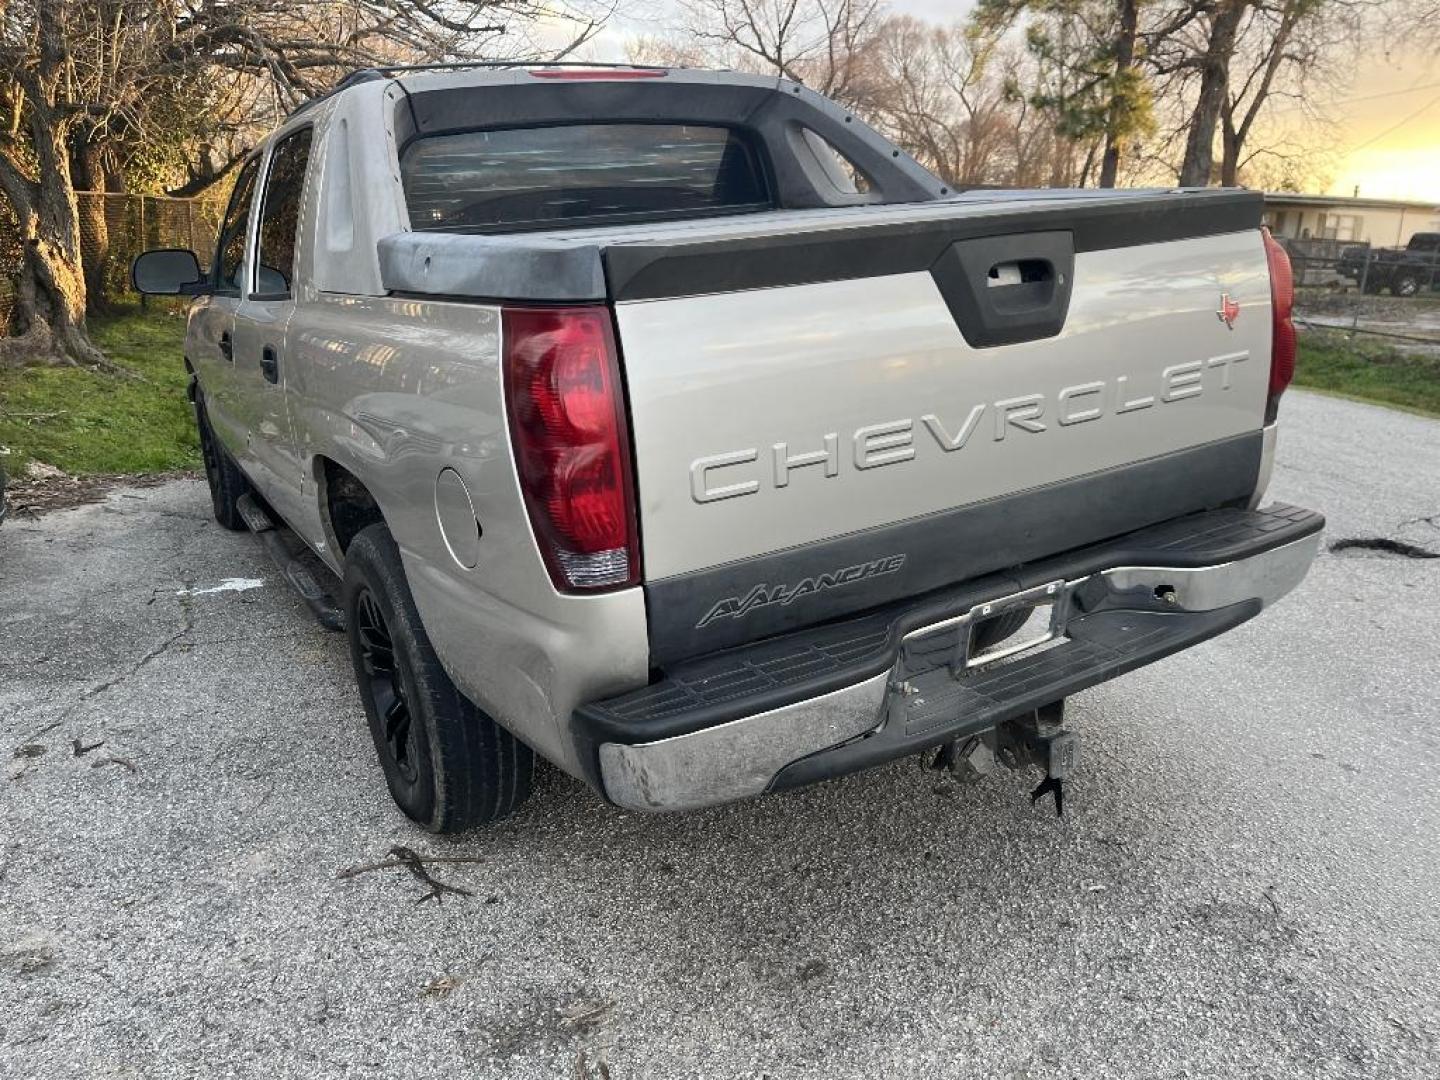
[
  {"x": 571, "y": 443},
  {"x": 1282, "y": 333},
  {"x": 593, "y": 74}
]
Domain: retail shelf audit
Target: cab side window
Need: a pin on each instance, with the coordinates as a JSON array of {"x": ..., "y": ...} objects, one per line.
[
  {"x": 280, "y": 216},
  {"x": 230, "y": 248}
]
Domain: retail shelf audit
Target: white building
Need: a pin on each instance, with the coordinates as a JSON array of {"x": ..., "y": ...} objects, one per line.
[{"x": 1378, "y": 222}]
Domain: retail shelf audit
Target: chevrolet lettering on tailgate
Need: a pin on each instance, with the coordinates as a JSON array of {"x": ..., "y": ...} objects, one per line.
[{"x": 892, "y": 442}]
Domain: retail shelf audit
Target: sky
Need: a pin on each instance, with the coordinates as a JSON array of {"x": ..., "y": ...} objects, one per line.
[
  {"x": 1390, "y": 133},
  {"x": 1386, "y": 136}
]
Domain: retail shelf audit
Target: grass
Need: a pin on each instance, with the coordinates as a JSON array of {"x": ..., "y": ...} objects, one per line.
[
  {"x": 87, "y": 422},
  {"x": 1368, "y": 371}
]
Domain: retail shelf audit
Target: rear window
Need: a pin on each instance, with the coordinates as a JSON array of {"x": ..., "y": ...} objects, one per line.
[{"x": 579, "y": 174}]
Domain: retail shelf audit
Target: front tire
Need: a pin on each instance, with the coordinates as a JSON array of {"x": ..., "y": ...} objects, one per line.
[
  {"x": 448, "y": 765},
  {"x": 227, "y": 482}
]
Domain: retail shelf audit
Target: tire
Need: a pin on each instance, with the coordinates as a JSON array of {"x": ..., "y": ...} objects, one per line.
[
  {"x": 448, "y": 765},
  {"x": 227, "y": 482},
  {"x": 1406, "y": 284}
]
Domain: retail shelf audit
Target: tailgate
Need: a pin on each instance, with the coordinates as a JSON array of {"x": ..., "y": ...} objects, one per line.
[{"x": 867, "y": 414}]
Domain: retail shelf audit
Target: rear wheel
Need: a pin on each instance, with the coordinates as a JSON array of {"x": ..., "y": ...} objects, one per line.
[
  {"x": 447, "y": 764},
  {"x": 227, "y": 482},
  {"x": 1406, "y": 284}
]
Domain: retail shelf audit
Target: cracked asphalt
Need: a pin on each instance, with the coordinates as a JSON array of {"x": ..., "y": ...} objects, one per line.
[{"x": 1247, "y": 881}]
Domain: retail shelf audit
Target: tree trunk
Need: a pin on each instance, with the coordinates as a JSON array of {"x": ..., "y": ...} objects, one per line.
[
  {"x": 1129, "y": 16},
  {"x": 1088, "y": 165},
  {"x": 89, "y": 175},
  {"x": 1233, "y": 134},
  {"x": 51, "y": 305},
  {"x": 1229, "y": 152},
  {"x": 51, "y": 294},
  {"x": 1214, "y": 85},
  {"x": 50, "y": 308}
]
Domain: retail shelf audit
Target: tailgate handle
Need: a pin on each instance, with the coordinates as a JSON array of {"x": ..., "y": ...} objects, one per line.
[{"x": 1002, "y": 290}]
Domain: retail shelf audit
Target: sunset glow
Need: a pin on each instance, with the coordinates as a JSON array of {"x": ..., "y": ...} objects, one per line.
[
  {"x": 1388, "y": 130},
  {"x": 1411, "y": 173}
]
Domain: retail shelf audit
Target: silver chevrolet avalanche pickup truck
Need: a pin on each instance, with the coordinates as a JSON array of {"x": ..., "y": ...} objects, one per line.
[{"x": 678, "y": 428}]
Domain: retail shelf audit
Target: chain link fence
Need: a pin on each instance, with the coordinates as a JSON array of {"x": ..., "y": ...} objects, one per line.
[
  {"x": 1348, "y": 264},
  {"x": 1384, "y": 293},
  {"x": 115, "y": 227}
]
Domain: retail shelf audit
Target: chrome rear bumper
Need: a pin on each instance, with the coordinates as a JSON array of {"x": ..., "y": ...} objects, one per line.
[
  {"x": 738, "y": 759},
  {"x": 897, "y": 711}
]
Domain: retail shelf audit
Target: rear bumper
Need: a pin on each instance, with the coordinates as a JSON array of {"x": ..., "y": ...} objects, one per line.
[{"x": 840, "y": 698}]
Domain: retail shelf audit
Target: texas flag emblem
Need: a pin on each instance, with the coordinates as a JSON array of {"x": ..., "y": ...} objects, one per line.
[{"x": 1229, "y": 310}]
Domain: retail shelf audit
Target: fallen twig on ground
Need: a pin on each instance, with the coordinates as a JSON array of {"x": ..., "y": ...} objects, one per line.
[
  {"x": 415, "y": 862},
  {"x": 441, "y": 987},
  {"x": 1385, "y": 544},
  {"x": 396, "y": 863},
  {"x": 1268, "y": 893},
  {"x": 585, "y": 1014}
]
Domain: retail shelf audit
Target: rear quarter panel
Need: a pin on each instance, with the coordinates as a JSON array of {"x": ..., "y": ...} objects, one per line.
[{"x": 397, "y": 390}]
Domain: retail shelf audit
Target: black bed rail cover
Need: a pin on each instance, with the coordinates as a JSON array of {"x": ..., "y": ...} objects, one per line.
[{"x": 788, "y": 247}]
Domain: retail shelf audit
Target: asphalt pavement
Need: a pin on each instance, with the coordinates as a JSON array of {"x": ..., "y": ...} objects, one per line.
[{"x": 1246, "y": 883}]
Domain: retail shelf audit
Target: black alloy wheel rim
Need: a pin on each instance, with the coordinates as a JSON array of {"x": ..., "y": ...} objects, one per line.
[{"x": 385, "y": 685}]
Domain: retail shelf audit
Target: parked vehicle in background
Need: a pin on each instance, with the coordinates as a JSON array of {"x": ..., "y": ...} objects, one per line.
[
  {"x": 675, "y": 426},
  {"x": 1405, "y": 271}
]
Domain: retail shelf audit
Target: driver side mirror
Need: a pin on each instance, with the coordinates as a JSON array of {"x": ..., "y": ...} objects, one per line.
[{"x": 169, "y": 272}]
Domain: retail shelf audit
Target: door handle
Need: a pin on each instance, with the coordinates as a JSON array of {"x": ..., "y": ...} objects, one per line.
[
  {"x": 1006, "y": 289},
  {"x": 227, "y": 347},
  {"x": 270, "y": 364}
]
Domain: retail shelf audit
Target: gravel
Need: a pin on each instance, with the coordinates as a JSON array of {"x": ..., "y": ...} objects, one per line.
[{"x": 1246, "y": 881}]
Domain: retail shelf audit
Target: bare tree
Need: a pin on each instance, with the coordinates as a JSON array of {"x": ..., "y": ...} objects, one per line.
[
  {"x": 1222, "y": 29},
  {"x": 1243, "y": 54},
  {"x": 816, "y": 42},
  {"x": 87, "y": 78},
  {"x": 940, "y": 95},
  {"x": 1294, "y": 50}
]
